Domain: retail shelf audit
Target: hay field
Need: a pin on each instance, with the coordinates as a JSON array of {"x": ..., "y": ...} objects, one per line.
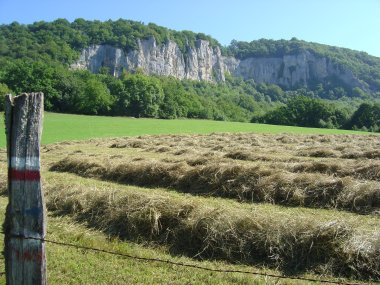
[
  {"x": 300, "y": 204},
  {"x": 316, "y": 171}
]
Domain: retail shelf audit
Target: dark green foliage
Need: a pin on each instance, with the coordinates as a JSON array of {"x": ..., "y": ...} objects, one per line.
[
  {"x": 305, "y": 112},
  {"x": 366, "y": 117},
  {"x": 96, "y": 98},
  {"x": 264, "y": 48},
  {"x": 40, "y": 40},
  {"x": 61, "y": 40},
  {"x": 23, "y": 75},
  {"x": 144, "y": 95},
  {"x": 177, "y": 102},
  {"x": 66, "y": 91}
]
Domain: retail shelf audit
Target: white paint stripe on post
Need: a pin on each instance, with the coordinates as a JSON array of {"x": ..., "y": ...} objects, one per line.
[{"x": 29, "y": 163}]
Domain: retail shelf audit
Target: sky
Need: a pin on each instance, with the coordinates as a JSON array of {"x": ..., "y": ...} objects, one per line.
[{"x": 353, "y": 24}]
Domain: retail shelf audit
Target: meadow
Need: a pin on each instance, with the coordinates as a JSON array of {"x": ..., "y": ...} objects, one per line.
[
  {"x": 67, "y": 127},
  {"x": 259, "y": 198}
]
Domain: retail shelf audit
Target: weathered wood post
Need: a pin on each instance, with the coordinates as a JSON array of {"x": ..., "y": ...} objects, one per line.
[{"x": 25, "y": 223}]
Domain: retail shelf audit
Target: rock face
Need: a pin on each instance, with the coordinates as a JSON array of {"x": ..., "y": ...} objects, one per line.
[
  {"x": 292, "y": 71},
  {"x": 203, "y": 62}
]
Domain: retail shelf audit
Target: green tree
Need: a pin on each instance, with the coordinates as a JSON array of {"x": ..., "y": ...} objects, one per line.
[
  {"x": 175, "y": 103},
  {"x": 96, "y": 98},
  {"x": 305, "y": 112},
  {"x": 33, "y": 76},
  {"x": 366, "y": 117},
  {"x": 145, "y": 95}
]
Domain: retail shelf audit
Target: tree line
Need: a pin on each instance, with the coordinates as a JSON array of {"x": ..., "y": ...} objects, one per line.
[
  {"x": 140, "y": 95},
  {"x": 134, "y": 94},
  {"x": 304, "y": 111}
]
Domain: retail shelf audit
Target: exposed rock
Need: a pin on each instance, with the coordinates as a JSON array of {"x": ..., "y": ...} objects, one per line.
[
  {"x": 292, "y": 71},
  {"x": 203, "y": 62}
]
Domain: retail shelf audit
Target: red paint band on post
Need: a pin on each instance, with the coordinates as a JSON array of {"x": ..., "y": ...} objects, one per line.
[
  {"x": 28, "y": 175},
  {"x": 29, "y": 256}
]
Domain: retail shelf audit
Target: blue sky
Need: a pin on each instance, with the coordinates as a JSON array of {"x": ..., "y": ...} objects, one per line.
[{"x": 353, "y": 24}]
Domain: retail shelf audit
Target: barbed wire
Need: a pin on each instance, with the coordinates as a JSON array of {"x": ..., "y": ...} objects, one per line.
[{"x": 148, "y": 259}]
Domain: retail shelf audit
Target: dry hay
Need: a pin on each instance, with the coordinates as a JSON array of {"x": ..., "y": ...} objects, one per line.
[
  {"x": 242, "y": 182},
  {"x": 371, "y": 154},
  {"x": 194, "y": 227},
  {"x": 318, "y": 166},
  {"x": 364, "y": 171},
  {"x": 318, "y": 152},
  {"x": 3, "y": 183}
]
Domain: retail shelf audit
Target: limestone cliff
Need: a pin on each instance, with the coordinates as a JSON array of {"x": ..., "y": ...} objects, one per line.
[
  {"x": 200, "y": 62},
  {"x": 203, "y": 62},
  {"x": 291, "y": 71}
]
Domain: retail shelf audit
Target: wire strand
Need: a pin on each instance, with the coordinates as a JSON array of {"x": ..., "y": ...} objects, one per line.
[{"x": 183, "y": 264}]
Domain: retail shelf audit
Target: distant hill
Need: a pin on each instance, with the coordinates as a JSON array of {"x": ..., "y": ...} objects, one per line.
[
  {"x": 127, "y": 68},
  {"x": 125, "y": 45}
]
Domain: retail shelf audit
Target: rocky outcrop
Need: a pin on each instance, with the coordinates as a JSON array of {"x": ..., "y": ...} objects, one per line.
[
  {"x": 292, "y": 71},
  {"x": 203, "y": 62}
]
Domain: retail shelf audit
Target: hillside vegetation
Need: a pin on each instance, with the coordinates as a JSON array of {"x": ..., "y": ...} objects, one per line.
[
  {"x": 37, "y": 57},
  {"x": 61, "y": 40}
]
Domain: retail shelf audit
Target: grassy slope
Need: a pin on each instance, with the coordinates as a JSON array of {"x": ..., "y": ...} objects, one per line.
[{"x": 62, "y": 127}]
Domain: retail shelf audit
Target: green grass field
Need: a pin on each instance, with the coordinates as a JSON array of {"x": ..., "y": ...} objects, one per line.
[{"x": 65, "y": 127}]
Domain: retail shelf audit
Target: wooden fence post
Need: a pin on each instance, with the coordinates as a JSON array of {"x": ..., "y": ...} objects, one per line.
[{"x": 25, "y": 223}]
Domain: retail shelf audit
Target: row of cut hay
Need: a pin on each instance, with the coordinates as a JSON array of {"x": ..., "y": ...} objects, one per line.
[
  {"x": 370, "y": 154},
  {"x": 344, "y": 142},
  {"x": 359, "y": 170},
  {"x": 353, "y": 147},
  {"x": 368, "y": 171},
  {"x": 198, "y": 228},
  {"x": 280, "y": 187},
  {"x": 245, "y": 183},
  {"x": 328, "y": 152},
  {"x": 252, "y": 155}
]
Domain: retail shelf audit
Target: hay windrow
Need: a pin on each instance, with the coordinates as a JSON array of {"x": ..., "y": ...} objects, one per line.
[
  {"x": 245, "y": 183},
  {"x": 194, "y": 227},
  {"x": 319, "y": 152},
  {"x": 364, "y": 171}
]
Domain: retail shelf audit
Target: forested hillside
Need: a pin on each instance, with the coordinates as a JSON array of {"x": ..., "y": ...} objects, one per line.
[{"x": 38, "y": 57}]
